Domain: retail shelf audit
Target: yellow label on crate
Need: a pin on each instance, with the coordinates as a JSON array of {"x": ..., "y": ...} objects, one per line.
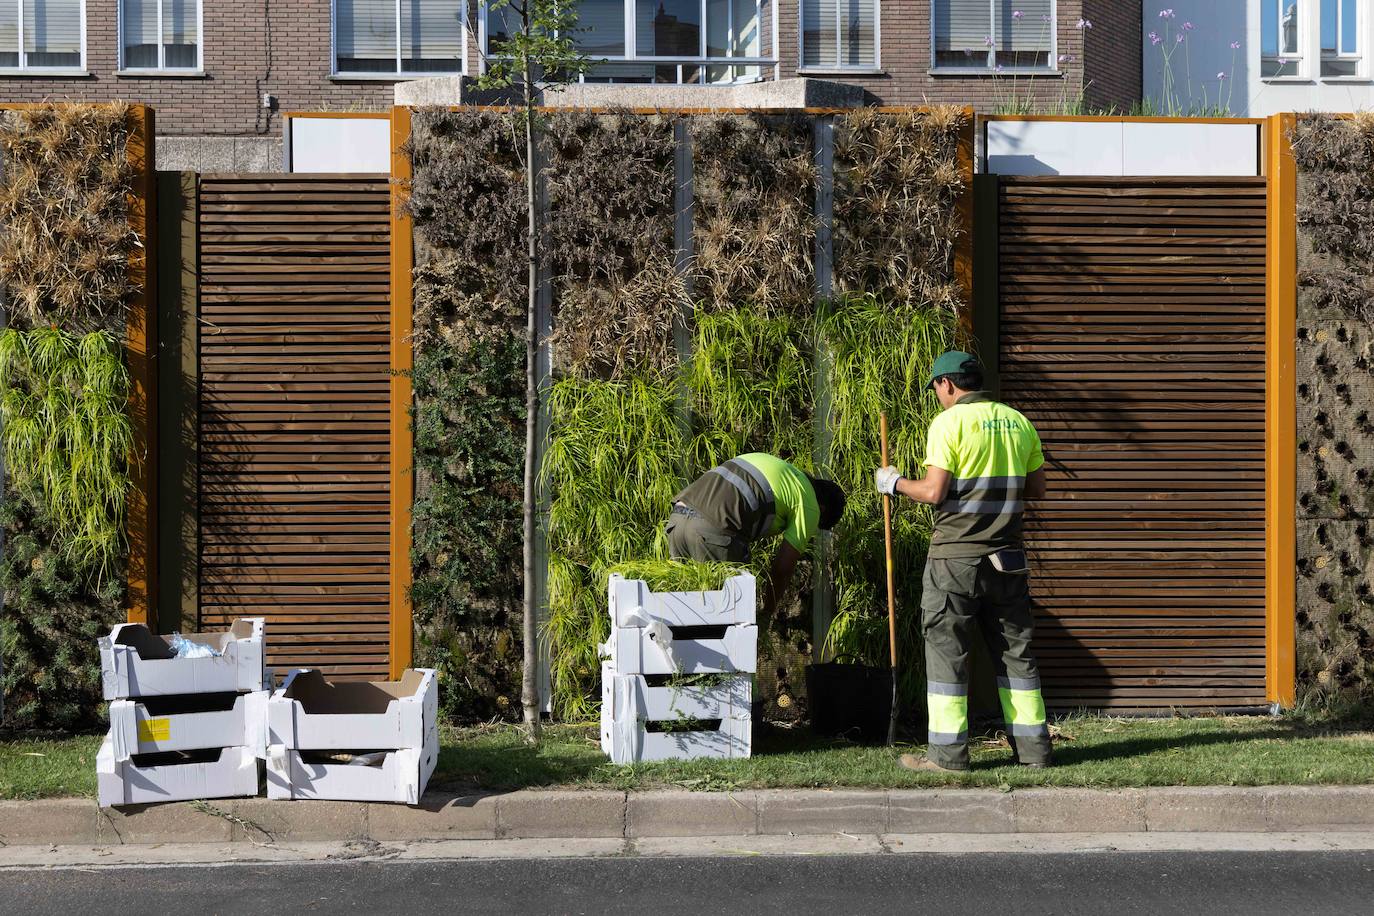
[{"x": 155, "y": 730}]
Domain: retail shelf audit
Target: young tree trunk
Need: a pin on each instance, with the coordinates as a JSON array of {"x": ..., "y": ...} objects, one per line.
[{"x": 529, "y": 687}]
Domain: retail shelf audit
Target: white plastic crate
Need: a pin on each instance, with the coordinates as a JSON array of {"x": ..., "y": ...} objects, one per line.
[
  {"x": 638, "y": 650},
  {"x": 192, "y": 722},
  {"x": 233, "y": 772},
  {"x": 629, "y": 705},
  {"x": 310, "y": 713},
  {"x": 134, "y": 662},
  {"x": 401, "y": 777},
  {"x": 632, "y": 604}
]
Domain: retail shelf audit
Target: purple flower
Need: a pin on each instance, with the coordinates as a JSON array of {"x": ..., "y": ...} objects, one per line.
[
  {"x": 1084, "y": 24},
  {"x": 988, "y": 41},
  {"x": 1187, "y": 26},
  {"x": 1065, "y": 58},
  {"x": 1044, "y": 18},
  {"x": 1221, "y": 75},
  {"x": 999, "y": 69},
  {"x": 1166, "y": 14},
  {"x": 1017, "y": 14},
  {"x": 1179, "y": 39},
  {"x": 1235, "y": 46},
  {"x": 1154, "y": 38}
]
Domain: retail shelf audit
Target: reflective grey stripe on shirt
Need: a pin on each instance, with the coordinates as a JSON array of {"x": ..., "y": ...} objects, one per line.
[
  {"x": 765, "y": 525},
  {"x": 985, "y": 495},
  {"x": 738, "y": 483}
]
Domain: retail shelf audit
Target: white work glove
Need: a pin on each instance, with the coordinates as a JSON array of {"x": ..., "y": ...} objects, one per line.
[{"x": 886, "y": 480}]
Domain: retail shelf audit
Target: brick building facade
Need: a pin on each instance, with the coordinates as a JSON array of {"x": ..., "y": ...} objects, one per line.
[{"x": 215, "y": 119}]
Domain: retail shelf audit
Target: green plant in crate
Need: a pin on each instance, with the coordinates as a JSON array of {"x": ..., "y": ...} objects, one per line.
[
  {"x": 67, "y": 438},
  {"x": 878, "y": 357},
  {"x": 613, "y": 467}
]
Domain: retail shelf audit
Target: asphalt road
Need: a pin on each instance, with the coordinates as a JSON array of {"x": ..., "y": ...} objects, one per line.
[{"x": 1116, "y": 883}]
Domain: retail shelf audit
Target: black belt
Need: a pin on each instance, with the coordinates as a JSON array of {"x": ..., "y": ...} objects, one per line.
[{"x": 680, "y": 509}]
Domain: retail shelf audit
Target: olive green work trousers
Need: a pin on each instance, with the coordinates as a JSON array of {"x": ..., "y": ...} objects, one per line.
[{"x": 960, "y": 598}]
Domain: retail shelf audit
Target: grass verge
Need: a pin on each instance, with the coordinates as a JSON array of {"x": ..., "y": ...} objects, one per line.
[{"x": 1096, "y": 752}]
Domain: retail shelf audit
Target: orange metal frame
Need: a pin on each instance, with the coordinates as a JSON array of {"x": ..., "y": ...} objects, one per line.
[
  {"x": 141, "y": 345},
  {"x": 402, "y": 438},
  {"x": 1280, "y": 415},
  {"x": 963, "y": 248}
]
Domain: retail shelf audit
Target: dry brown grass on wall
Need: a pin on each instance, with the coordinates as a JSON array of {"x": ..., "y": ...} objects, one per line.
[
  {"x": 610, "y": 181},
  {"x": 66, "y": 245},
  {"x": 1335, "y": 360},
  {"x": 897, "y": 186},
  {"x": 754, "y": 187}
]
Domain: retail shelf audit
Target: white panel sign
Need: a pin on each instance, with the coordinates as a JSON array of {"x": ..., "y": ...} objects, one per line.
[
  {"x": 1122, "y": 148},
  {"x": 341, "y": 145},
  {"x": 1191, "y": 149},
  {"x": 1054, "y": 147}
]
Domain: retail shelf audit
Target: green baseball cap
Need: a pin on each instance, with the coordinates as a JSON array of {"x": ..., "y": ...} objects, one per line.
[{"x": 953, "y": 363}]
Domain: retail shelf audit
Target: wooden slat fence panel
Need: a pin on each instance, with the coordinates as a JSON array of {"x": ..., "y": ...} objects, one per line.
[
  {"x": 294, "y": 405},
  {"x": 1132, "y": 335}
]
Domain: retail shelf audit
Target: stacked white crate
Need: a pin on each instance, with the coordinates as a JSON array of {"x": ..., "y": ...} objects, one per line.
[
  {"x": 310, "y": 714},
  {"x": 160, "y": 703},
  {"x": 642, "y": 644}
]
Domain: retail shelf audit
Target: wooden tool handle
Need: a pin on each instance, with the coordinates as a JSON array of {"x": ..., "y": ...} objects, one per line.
[{"x": 887, "y": 536}]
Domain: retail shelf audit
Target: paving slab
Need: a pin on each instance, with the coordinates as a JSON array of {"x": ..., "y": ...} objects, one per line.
[
  {"x": 952, "y": 811},
  {"x": 60, "y": 820},
  {"x": 170, "y": 822},
  {"x": 446, "y": 817},
  {"x": 812, "y": 812},
  {"x": 1077, "y": 811},
  {"x": 683, "y": 814},
  {"x": 534, "y": 814},
  {"x": 829, "y": 844},
  {"x": 1205, "y": 808}
]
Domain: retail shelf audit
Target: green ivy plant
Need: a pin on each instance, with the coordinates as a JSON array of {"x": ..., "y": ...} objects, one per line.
[{"x": 67, "y": 437}]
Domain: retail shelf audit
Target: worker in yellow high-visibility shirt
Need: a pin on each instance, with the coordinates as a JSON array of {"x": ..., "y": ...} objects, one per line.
[{"x": 983, "y": 460}]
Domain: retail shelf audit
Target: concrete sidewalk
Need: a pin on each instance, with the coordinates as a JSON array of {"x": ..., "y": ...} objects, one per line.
[{"x": 555, "y": 814}]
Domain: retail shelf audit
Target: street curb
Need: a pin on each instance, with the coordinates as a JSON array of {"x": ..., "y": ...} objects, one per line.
[{"x": 556, "y": 813}]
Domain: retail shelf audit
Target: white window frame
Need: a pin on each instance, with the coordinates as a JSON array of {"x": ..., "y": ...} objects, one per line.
[
  {"x": 701, "y": 61},
  {"x": 398, "y": 75},
  {"x": 1301, "y": 57},
  {"x": 1358, "y": 55},
  {"x": 990, "y": 69},
  {"x": 875, "y": 67},
  {"x": 161, "y": 45},
  {"x": 23, "y": 70}
]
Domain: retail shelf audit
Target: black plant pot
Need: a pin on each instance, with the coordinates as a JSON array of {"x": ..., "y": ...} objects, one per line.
[{"x": 850, "y": 701}]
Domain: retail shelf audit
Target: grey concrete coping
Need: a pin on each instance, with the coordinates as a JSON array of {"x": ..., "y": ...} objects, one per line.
[
  {"x": 792, "y": 93},
  {"x": 571, "y": 814}
]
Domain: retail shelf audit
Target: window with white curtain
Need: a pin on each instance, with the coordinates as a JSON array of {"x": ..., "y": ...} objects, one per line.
[
  {"x": 658, "y": 41},
  {"x": 160, "y": 34},
  {"x": 839, "y": 34},
  {"x": 42, "y": 34},
  {"x": 993, "y": 34},
  {"x": 400, "y": 37},
  {"x": 1281, "y": 34}
]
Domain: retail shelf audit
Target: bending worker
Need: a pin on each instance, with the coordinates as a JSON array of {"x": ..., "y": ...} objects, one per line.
[
  {"x": 982, "y": 460},
  {"x": 748, "y": 498}
]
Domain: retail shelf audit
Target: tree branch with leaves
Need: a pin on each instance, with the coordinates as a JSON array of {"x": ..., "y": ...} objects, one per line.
[{"x": 537, "y": 52}]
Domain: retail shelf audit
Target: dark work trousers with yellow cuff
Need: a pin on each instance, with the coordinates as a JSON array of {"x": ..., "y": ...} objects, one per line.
[{"x": 960, "y": 597}]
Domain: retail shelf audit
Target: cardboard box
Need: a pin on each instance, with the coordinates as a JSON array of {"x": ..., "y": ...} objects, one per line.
[
  {"x": 401, "y": 778},
  {"x": 310, "y": 713},
  {"x": 190, "y": 722},
  {"x": 134, "y": 662},
  {"x": 228, "y": 772},
  {"x": 632, "y": 604},
  {"x": 631, "y": 650},
  {"x": 629, "y": 706}
]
